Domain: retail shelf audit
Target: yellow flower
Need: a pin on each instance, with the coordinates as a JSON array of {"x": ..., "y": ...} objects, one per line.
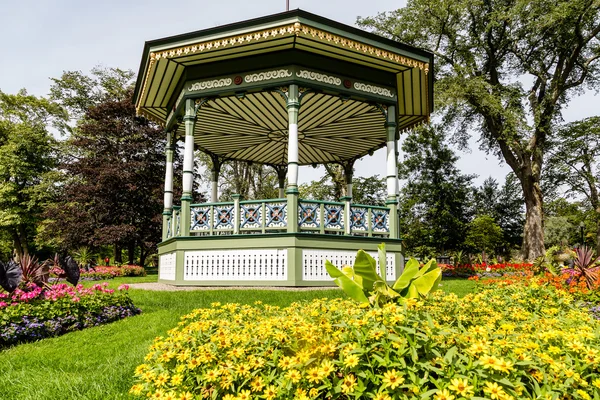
[
  {"x": 169, "y": 396},
  {"x": 176, "y": 380},
  {"x": 489, "y": 362},
  {"x": 596, "y": 382},
  {"x": 314, "y": 375},
  {"x": 349, "y": 384},
  {"x": 244, "y": 395},
  {"x": 460, "y": 386},
  {"x": 351, "y": 360},
  {"x": 293, "y": 375},
  {"x": 382, "y": 396},
  {"x": 257, "y": 384},
  {"x": 392, "y": 379},
  {"x": 229, "y": 397},
  {"x": 583, "y": 394},
  {"x": 443, "y": 395},
  {"x": 186, "y": 396},
  {"x": 326, "y": 368},
  {"x": 136, "y": 389},
  {"x": 313, "y": 393},
  {"x": 270, "y": 392},
  {"x": 495, "y": 391}
]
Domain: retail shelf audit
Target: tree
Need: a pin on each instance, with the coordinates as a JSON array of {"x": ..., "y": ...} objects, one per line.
[
  {"x": 365, "y": 190},
  {"x": 574, "y": 164},
  {"x": 486, "y": 53},
  {"x": 504, "y": 205},
  {"x": 27, "y": 158},
  {"x": 484, "y": 235},
  {"x": 113, "y": 168},
  {"x": 434, "y": 204}
]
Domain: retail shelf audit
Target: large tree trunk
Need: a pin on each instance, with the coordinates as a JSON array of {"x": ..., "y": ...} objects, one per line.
[
  {"x": 17, "y": 245},
  {"x": 117, "y": 254},
  {"x": 131, "y": 252},
  {"x": 533, "y": 234},
  {"x": 143, "y": 255}
]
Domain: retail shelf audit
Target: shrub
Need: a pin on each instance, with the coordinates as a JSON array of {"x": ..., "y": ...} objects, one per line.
[
  {"x": 36, "y": 312},
  {"x": 502, "y": 343}
]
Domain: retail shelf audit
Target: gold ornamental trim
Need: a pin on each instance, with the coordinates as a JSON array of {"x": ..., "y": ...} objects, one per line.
[{"x": 296, "y": 29}]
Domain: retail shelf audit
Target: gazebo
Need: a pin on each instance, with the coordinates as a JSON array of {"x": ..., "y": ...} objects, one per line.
[{"x": 284, "y": 90}]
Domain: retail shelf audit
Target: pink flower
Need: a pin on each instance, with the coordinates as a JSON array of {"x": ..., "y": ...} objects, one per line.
[
  {"x": 3, "y": 304},
  {"x": 123, "y": 287}
]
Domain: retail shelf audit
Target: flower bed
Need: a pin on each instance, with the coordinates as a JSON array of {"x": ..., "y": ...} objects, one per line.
[
  {"x": 506, "y": 342},
  {"x": 485, "y": 270},
  {"x": 38, "y": 313},
  {"x": 100, "y": 273}
]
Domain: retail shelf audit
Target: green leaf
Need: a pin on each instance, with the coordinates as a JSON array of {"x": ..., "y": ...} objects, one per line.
[
  {"x": 350, "y": 287},
  {"x": 425, "y": 283},
  {"x": 364, "y": 266},
  {"x": 410, "y": 270}
]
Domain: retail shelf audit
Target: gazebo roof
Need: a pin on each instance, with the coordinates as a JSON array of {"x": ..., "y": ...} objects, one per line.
[{"x": 349, "y": 78}]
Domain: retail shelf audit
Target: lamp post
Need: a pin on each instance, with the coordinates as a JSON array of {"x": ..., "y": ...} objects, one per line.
[{"x": 581, "y": 226}]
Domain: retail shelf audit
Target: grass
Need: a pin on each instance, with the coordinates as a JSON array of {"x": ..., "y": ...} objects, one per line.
[{"x": 98, "y": 363}]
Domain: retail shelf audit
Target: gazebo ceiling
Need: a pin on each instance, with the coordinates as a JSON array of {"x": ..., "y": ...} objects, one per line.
[
  {"x": 169, "y": 64},
  {"x": 254, "y": 128}
]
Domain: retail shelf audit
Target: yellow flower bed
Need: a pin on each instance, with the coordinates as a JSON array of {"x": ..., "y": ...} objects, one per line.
[{"x": 502, "y": 343}]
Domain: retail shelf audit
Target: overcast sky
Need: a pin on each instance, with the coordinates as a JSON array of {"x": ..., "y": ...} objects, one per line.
[{"x": 41, "y": 39}]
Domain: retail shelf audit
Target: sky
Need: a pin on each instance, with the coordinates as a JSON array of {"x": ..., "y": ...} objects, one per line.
[{"x": 41, "y": 39}]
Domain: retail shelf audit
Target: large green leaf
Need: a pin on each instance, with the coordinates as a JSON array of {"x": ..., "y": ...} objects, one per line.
[
  {"x": 382, "y": 260},
  {"x": 412, "y": 292},
  {"x": 365, "y": 267},
  {"x": 425, "y": 283},
  {"x": 350, "y": 287},
  {"x": 410, "y": 270}
]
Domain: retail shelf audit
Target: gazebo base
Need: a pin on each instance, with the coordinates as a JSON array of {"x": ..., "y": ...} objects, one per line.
[{"x": 286, "y": 259}]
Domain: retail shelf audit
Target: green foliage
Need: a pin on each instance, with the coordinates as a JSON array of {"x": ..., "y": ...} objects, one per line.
[
  {"x": 83, "y": 256},
  {"x": 27, "y": 158},
  {"x": 484, "y": 235},
  {"x": 490, "y": 344},
  {"x": 572, "y": 165},
  {"x": 364, "y": 284},
  {"x": 505, "y": 69},
  {"x": 434, "y": 205},
  {"x": 505, "y": 205},
  {"x": 558, "y": 231},
  {"x": 585, "y": 263},
  {"x": 365, "y": 190}
]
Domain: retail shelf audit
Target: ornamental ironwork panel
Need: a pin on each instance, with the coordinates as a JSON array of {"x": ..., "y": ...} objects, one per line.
[
  {"x": 223, "y": 217},
  {"x": 178, "y": 224},
  {"x": 334, "y": 216},
  {"x": 169, "y": 221},
  {"x": 276, "y": 215},
  {"x": 380, "y": 221},
  {"x": 309, "y": 215},
  {"x": 251, "y": 215},
  {"x": 200, "y": 218},
  {"x": 358, "y": 219}
]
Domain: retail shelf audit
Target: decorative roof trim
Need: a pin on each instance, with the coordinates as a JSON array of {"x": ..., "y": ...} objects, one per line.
[{"x": 296, "y": 29}]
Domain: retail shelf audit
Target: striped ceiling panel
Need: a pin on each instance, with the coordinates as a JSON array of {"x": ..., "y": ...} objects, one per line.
[{"x": 255, "y": 128}]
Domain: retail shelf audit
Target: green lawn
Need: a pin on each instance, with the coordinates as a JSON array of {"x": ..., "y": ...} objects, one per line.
[{"x": 98, "y": 363}]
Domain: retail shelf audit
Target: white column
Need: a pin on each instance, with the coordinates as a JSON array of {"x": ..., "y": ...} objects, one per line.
[
  {"x": 168, "y": 199},
  {"x": 214, "y": 191},
  {"x": 293, "y": 105},
  {"x": 392, "y": 172},
  {"x": 392, "y": 166},
  {"x": 188, "y": 166}
]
